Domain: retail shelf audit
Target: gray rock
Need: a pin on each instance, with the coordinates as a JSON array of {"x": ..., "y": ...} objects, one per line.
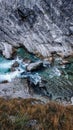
[
  {"x": 71, "y": 29},
  {"x": 19, "y": 89},
  {"x": 34, "y": 66},
  {"x": 32, "y": 123},
  {"x": 8, "y": 50},
  {"x": 15, "y": 89},
  {"x": 26, "y": 61},
  {"x": 46, "y": 63},
  {"x": 15, "y": 65},
  {"x": 72, "y": 100},
  {"x": 41, "y": 26}
]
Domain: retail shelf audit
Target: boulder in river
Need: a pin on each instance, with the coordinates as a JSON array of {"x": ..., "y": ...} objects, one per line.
[
  {"x": 16, "y": 64},
  {"x": 35, "y": 66}
]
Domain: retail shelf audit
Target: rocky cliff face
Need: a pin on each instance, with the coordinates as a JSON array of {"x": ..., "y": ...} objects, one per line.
[{"x": 42, "y": 26}]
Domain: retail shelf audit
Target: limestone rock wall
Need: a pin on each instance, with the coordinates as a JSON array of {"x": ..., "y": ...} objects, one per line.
[{"x": 41, "y": 26}]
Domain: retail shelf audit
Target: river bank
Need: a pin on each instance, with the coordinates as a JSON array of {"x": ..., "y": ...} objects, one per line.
[{"x": 43, "y": 79}]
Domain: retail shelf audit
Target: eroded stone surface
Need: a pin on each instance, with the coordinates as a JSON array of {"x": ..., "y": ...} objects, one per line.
[
  {"x": 8, "y": 51},
  {"x": 41, "y": 26},
  {"x": 35, "y": 66},
  {"x": 16, "y": 89}
]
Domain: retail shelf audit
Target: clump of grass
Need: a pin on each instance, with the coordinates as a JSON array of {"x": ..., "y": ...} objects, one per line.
[{"x": 15, "y": 114}]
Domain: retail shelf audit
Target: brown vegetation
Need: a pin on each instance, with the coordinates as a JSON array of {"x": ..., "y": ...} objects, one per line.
[{"x": 16, "y": 114}]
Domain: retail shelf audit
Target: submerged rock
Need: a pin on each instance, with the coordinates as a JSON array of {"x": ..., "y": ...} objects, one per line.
[{"x": 42, "y": 26}]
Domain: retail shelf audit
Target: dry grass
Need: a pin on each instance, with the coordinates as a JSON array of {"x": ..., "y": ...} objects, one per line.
[{"x": 16, "y": 114}]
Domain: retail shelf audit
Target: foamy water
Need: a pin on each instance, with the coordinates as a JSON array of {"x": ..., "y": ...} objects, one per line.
[
  {"x": 20, "y": 72},
  {"x": 7, "y": 64},
  {"x": 54, "y": 72},
  {"x": 49, "y": 73},
  {"x": 10, "y": 76}
]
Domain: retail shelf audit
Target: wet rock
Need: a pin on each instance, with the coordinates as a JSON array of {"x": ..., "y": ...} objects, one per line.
[
  {"x": 26, "y": 61},
  {"x": 40, "y": 88},
  {"x": 5, "y": 81},
  {"x": 16, "y": 64},
  {"x": 35, "y": 66},
  {"x": 43, "y": 83}
]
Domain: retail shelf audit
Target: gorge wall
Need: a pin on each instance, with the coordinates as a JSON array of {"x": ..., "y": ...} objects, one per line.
[{"x": 42, "y": 26}]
